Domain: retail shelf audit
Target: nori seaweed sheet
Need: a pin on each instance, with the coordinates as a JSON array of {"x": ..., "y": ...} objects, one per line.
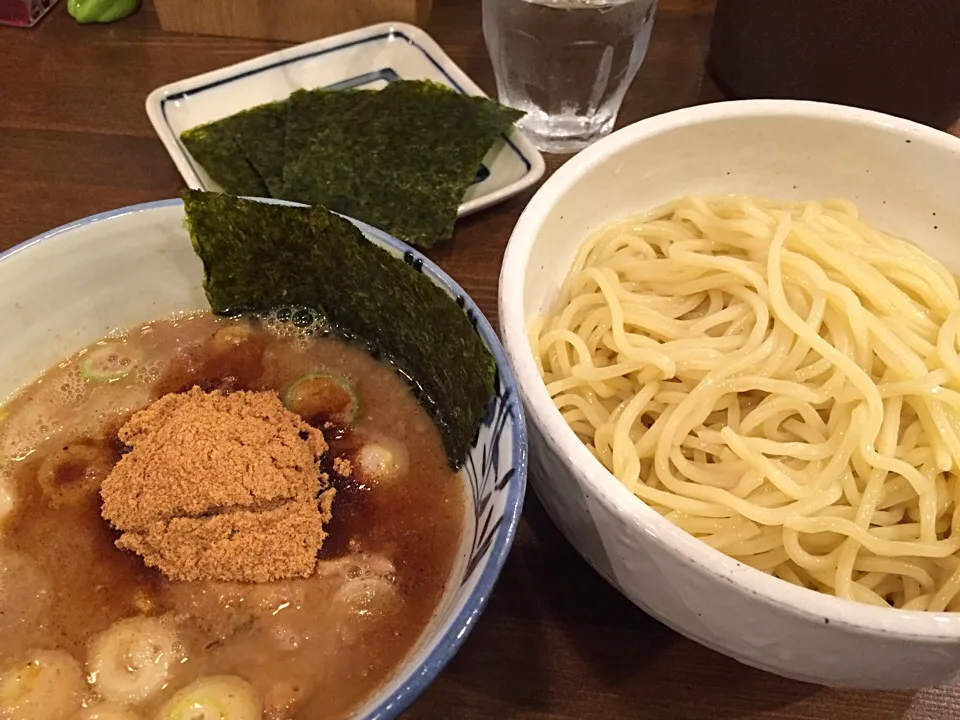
[
  {"x": 261, "y": 134},
  {"x": 401, "y": 158},
  {"x": 402, "y": 161},
  {"x": 311, "y": 114},
  {"x": 259, "y": 256},
  {"x": 214, "y": 147}
]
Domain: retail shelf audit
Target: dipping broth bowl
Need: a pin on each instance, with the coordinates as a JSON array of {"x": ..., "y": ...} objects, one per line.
[{"x": 72, "y": 286}]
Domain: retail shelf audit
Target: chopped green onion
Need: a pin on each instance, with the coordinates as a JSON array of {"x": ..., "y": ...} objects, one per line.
[{"x": 217, "y": 697}]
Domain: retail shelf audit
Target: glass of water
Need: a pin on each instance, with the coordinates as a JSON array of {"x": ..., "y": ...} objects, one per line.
[{"x": 566, "y": 63}]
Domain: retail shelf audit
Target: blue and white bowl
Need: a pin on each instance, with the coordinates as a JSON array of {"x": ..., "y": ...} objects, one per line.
[{"x": 71, "y": 286}]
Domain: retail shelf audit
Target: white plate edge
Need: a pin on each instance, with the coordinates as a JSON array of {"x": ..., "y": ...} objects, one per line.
[{"x": 179, "y": 156}]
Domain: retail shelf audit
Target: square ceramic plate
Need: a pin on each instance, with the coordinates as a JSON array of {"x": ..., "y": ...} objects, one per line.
[{"x": 370, "y": 58}]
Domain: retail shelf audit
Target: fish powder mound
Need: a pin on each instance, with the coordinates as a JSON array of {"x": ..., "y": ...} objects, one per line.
[{"x": 221, "y": 487}]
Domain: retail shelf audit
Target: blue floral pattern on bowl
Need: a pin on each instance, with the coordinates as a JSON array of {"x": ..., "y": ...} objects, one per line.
[
  {"x": 495, "y": 471},
  {"x": 487, "y": 474}
]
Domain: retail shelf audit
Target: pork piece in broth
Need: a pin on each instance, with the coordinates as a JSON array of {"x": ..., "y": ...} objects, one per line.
[{"x": 171, "y": 599}]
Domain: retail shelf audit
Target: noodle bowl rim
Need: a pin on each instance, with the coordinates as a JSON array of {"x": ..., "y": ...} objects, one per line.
[{"x": 590, "y": 473}]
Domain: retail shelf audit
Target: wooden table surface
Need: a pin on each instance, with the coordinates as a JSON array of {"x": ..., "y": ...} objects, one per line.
[{"x": 555, "y": 641}]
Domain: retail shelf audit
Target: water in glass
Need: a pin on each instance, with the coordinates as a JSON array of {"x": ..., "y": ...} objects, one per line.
[{"x": 566, "y": 63}]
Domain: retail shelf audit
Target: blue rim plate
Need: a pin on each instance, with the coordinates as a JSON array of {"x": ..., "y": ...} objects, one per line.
[{"x": 369, "y": 57}]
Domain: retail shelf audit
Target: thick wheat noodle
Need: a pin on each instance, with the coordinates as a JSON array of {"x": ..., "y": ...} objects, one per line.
[{"x": 781, "y": 380}]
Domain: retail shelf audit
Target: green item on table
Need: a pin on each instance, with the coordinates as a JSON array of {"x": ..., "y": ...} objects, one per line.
[{"x": 101, "y": 11}]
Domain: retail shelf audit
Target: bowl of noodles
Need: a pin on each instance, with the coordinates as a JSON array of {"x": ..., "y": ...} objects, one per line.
[{"x": 735, "y": 331}]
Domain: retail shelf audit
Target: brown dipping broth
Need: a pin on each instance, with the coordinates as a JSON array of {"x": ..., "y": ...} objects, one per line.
[{"x": 305, "y": 656}]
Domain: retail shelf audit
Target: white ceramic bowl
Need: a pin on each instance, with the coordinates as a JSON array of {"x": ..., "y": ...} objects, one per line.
[
  {"x": 906, "y": 179},
  {"x": 73, "y": 285}
]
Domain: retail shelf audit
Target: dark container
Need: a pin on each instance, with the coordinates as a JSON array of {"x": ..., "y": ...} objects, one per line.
[{"x": 899, "y": 57}]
